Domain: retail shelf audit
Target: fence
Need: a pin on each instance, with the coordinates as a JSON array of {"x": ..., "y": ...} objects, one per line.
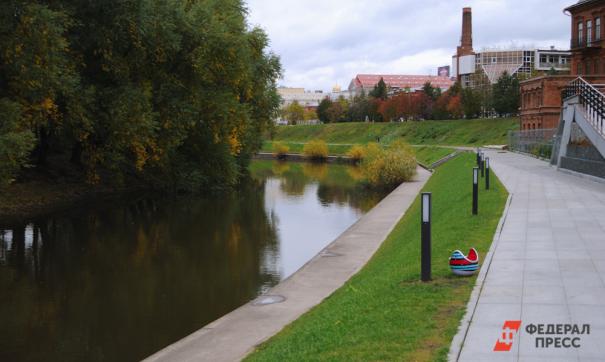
[{"x": 537, "y": 142}]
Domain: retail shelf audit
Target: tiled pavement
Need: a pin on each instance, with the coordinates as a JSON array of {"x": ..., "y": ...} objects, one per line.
[{"x": 548, "y": 265}]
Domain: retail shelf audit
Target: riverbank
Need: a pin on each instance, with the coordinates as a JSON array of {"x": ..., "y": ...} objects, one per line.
[
  {"x": 425, "y": 155},
  {"x": 476, "y": 132},
  {"x": 234, "y": 335},
  {"x": 384, "y": 312}
]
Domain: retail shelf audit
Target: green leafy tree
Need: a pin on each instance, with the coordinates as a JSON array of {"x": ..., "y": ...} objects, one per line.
[
  {"x": 380, "y": 90},
  {"x": 322, "y": 110},
  {"x": 430, "y": 91},
  {"x": 506, "y": 95},
  {"x": 471, "y": 103}
]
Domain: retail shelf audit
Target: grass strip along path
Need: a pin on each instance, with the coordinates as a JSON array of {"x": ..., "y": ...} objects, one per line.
[{"x": 384, "y": 312}]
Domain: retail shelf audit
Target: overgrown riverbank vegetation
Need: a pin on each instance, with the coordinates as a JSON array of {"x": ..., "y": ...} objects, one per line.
[
  {"x": 171, "y": 94},
  {"x": 384, "y": 312}
]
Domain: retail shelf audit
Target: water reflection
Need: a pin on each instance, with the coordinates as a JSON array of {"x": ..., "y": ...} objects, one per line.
[{"x": 118, "y": 280}]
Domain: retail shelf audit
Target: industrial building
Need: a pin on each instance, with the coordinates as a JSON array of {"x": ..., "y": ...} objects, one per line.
[{"x": 482, "y": 69}]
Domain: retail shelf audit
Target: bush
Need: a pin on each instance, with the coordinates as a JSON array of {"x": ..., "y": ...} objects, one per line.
[
  {"x": 388, "y": 167},
  {"x": 356, "y": 153},
  {"x": 280, "y": 149},
  {"x": 316, "y": 150}
]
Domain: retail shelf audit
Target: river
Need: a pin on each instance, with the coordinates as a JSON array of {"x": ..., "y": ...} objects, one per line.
[{"x": 118, "y": 280}]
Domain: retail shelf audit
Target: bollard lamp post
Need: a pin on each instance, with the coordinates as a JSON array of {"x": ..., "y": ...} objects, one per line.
[
  {"x": 475, "y": 190},
  {"x": 425, "y": 237},
  {"x": 487, "y": 173}
]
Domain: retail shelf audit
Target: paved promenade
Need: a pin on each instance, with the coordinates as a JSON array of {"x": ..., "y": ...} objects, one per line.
[
  {"x": 233, "y": 336},
  {"x": 547, "y": 267}
]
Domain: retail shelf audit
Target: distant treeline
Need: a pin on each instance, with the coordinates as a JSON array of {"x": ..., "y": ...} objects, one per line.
[
  {"x": 175, "y": 93},
  {"x": 457, "y": 102}
]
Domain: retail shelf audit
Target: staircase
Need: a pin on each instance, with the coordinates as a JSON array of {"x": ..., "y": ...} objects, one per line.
[{"x": 580, "y": 140}]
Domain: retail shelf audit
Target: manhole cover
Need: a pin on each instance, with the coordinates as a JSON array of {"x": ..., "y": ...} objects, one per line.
[{"x": 268, "y": 299}]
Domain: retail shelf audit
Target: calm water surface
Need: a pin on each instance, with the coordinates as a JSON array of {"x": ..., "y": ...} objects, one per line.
[{"x": 119, "y": 280}]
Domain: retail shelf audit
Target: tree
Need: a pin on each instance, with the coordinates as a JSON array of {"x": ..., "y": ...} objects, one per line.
[
  {"x": 506, "y": 94},
  {"x": 294, "y": 113},
  {"x": 359, "y": 108},
  {"x": 431, "y": 92},
  {"x": 171, "y": 93},
  {"x": 310, "y": 115},
  {"x": 322, "y": 110},
  {"x": 380, "y": 90},
  {"x": 335, "y": 112},
  {"x": 471, "y": 102},
  {"x": 454, "y": 107}
]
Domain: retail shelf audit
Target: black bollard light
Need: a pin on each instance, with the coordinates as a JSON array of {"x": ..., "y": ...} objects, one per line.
[
  {"x": 478, "y": 157},
  {"x": 487, "y": 173},
  {"x": 425, "y": 238},
  {"x": 475, "y": 190},
  {"x": 482, "y": 164}
]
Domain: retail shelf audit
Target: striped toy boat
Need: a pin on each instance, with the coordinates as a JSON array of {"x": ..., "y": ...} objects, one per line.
[{"x": 464, "y": 265}]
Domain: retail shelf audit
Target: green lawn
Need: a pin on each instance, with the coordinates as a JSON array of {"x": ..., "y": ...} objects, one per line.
[
  {"x": 428, "y": 155},
  {"x": 453, "y": 133},
  {"x": 384, "y": 312}
]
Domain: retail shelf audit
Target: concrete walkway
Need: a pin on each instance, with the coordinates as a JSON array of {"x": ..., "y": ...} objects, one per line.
[
  {"x": 547, "y": 267},
  {"x": 233, "y": 336}
]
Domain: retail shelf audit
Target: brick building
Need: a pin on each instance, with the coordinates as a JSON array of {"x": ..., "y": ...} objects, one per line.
[
  {"x": 587, "y": 35},
  {"x": 541, "y": 97}
]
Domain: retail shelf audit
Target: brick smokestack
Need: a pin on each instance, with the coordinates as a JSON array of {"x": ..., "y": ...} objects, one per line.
[{"x": 466, "y": 43}]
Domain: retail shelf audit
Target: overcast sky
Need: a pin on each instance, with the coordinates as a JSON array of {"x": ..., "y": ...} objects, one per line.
[{"x": 327, "y": 42}]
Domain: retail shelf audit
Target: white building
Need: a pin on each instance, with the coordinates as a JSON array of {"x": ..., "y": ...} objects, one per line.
[{"x": 307, "y": 99}]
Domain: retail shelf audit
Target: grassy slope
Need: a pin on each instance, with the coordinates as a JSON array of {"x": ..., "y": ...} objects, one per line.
[
  {"x": 453, "y": 133},
  {"x": 384, "y": 312},
  {"x": 428, "y": 155}
]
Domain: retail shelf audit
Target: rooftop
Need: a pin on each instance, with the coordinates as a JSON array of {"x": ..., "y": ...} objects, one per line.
[{"x": 402, "y": 81}]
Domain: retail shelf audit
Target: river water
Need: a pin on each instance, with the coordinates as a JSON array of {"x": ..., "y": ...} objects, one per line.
[{"x": 119, "y": 280}]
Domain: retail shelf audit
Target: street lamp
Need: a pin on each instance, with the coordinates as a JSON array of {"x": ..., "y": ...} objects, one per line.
[
  {"x": 475, "y": 189},
  {"x": 425, "y": 238}
]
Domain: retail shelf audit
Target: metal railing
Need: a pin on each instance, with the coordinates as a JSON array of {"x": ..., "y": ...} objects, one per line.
[
  {"x": 592, "y": 102},
  {"x": 537, "y": 142}
]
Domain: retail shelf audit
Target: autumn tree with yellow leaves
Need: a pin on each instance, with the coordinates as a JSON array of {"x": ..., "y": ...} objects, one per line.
[{"x": 174, "y": 93}]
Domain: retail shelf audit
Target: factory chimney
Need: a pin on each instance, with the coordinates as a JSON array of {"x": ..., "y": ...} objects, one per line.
[{"x": 466, "y": 43}]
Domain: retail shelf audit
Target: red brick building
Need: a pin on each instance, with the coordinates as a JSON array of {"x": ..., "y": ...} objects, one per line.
[
  {"x": 541, "y": 97},
  {"x": 587, "y": 35}
]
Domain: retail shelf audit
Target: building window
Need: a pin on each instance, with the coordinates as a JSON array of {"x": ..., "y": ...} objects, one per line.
[
  {"x": 580, "y": 33},
  {"x": 588, "y": 67},
  {"x": 597, "y": 30},
  {"x": 579, "y": 68},
  {"x": 588, "y": 31},
  {"x": 597, "y": 68}
]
